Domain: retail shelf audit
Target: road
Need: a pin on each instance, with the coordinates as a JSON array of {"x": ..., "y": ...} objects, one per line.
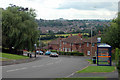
[{"x": 46, "y": 67}]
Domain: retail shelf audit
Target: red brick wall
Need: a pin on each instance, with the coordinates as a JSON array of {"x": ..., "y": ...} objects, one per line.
[
  {"x": 83, "y": 48},
  {"x": 54, "y": 46},
  {"x": 86, "y": 49}
]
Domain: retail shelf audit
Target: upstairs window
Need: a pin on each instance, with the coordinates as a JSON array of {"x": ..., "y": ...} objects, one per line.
[
  {"x": 87, "y": 44},
  {"x": 64, "y": 42},
  {"x": 93, "y": 44},
  {"x": 71, "y": 44},
  {"x": 80, "y": 44}
]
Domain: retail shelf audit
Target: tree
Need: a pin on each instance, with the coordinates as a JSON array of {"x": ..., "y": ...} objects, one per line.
[
  {"x": 112, "y": 34},
  {"x": 0, "y": 27},
  {"x": 19, "y": 29}
]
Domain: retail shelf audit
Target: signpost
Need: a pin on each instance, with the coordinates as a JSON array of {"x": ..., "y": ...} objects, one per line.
[{"x": 103, "y": 55}]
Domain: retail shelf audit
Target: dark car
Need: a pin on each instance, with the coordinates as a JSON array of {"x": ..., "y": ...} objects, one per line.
[{"x": 53, "y": 54}]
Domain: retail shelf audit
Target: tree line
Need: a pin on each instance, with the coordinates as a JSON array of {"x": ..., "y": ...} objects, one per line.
[{"x": 112, "y": 33}]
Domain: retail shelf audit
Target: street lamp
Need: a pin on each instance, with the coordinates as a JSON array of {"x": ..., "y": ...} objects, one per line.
[{"x": 35, "y": 45}]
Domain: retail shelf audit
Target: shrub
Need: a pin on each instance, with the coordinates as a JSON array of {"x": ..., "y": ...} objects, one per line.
[
  {"x": 54, "y": 51},
  {"x": 76, "y": 53}
]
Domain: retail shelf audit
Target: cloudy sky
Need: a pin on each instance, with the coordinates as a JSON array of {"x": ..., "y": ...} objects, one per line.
[{"x": 68, "y": 9}]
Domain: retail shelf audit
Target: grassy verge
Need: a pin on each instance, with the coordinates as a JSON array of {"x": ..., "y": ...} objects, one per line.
[
  {"x": 90, "y": 61},
  {"x": 91, "y": 69},
  {"x": 6, "y": 56},
  {"x": 94, "y": 78}
]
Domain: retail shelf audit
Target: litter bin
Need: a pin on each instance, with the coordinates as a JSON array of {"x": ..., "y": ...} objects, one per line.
[
  {"x": 94, "y": 60},
  {"x": 28, "y": 54}
]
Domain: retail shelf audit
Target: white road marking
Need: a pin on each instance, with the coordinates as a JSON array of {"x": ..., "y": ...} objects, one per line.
[
  {"x": 17, "y": 69},
  {"x": 37, "y": 66},
  {"x": 70, "y": 75}
]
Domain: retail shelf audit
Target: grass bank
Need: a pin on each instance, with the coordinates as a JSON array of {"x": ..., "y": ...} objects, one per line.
[
  {"x": 97, "y": 69},
  {"x": 7, "y": 56}
]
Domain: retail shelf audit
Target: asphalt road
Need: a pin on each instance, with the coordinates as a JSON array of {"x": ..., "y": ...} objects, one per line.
[{"x": 46, "y": 67}]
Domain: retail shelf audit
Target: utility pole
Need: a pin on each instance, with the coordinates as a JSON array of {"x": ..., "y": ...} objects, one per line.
[
  {"x": 60, "y": 46},
  {"x": 91, "y": 41},
  {"x": 39, "y": 43}
]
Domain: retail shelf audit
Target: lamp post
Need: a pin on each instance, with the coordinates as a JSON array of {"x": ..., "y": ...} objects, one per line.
[{"x": 35, "y": 49}]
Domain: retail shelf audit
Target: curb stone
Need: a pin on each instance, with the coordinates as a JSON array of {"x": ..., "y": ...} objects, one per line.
[{"x": 11, "y": 62}]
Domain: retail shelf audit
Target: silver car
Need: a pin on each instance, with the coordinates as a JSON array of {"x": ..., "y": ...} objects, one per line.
[{"x": 53, "y": 54}]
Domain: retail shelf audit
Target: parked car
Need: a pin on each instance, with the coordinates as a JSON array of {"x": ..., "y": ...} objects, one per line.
[
  {"x": 53, "y": 54},
  {"x": 47, "y": 53},
  {"x": 39, "y": 52}
]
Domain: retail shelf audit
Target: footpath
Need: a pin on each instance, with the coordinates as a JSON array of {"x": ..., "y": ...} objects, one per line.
[
  {"x": 109, "y": 75},
  {"x": 11, "y": 62}
]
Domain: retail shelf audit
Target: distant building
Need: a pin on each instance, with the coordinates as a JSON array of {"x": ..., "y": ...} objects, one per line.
[{"x": 75, "y": 43}]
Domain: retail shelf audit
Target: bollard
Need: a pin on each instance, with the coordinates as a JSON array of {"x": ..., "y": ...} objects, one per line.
[{"x": 28, "y": 54}]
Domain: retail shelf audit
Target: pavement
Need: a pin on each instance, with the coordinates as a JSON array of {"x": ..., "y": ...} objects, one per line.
[{"x": 113, "y": 75}]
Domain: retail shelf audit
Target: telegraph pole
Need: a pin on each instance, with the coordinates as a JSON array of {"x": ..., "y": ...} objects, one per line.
[{"x": 91, "y": 41}]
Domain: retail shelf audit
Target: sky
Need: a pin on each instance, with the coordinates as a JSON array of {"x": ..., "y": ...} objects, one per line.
[{"x": 68, "y": 9}]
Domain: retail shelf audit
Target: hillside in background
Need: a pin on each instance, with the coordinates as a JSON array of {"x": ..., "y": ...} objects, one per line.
[{"x": 68, "y": 26}]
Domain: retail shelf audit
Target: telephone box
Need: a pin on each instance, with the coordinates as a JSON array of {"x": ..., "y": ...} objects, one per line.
[{"x": 103, "y": 55}]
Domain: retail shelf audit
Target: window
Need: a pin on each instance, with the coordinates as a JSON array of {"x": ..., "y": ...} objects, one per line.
[
  {"x": 93, "y": 44},
  {"x": 71, "y": 44},
  {"x": 87, "y": 44},
  {"x": 64, "y": 42},
  {"x": 88, "y": 52},
  {"x": 69, "y": 49},
  {"x": 65, "y": 49},
  {"x": 80, "y": 44}
]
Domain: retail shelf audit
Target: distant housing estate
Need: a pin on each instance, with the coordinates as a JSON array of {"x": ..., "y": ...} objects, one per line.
[{"x": 75, "y": 43}]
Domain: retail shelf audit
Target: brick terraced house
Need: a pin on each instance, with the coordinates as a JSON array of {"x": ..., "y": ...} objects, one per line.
[{"x": 75, "y": 43}]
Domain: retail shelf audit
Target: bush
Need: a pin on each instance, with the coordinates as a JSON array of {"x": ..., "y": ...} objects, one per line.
[
  {"x": 72, "y": 53},
  {"x": 117, "y": 56},
  {"x": 53, "y": 50}
]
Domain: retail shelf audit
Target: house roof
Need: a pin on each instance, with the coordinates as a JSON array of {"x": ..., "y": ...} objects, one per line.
[
  {"x": 94, "y": 39},
  {"x": 74, "y": 39},
  {"x": 56, "y": 41}
]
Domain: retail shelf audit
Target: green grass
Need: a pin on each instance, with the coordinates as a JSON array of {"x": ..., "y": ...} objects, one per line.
[
  {"x": 85, "y": 78},
  {"x": 91, "y": 69},
  {"x": 57, "y": 35},
  {"x": 46, "y": 41},
  {"x": 89, "y": 60},
  {"x": 6, "y": 56}
]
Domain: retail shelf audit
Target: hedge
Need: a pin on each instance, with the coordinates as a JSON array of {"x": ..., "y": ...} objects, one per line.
[{"x": 75, "y": 53}]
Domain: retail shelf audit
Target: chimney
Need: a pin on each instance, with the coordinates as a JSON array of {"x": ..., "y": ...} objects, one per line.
[{"x": 99, "y": 33}]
